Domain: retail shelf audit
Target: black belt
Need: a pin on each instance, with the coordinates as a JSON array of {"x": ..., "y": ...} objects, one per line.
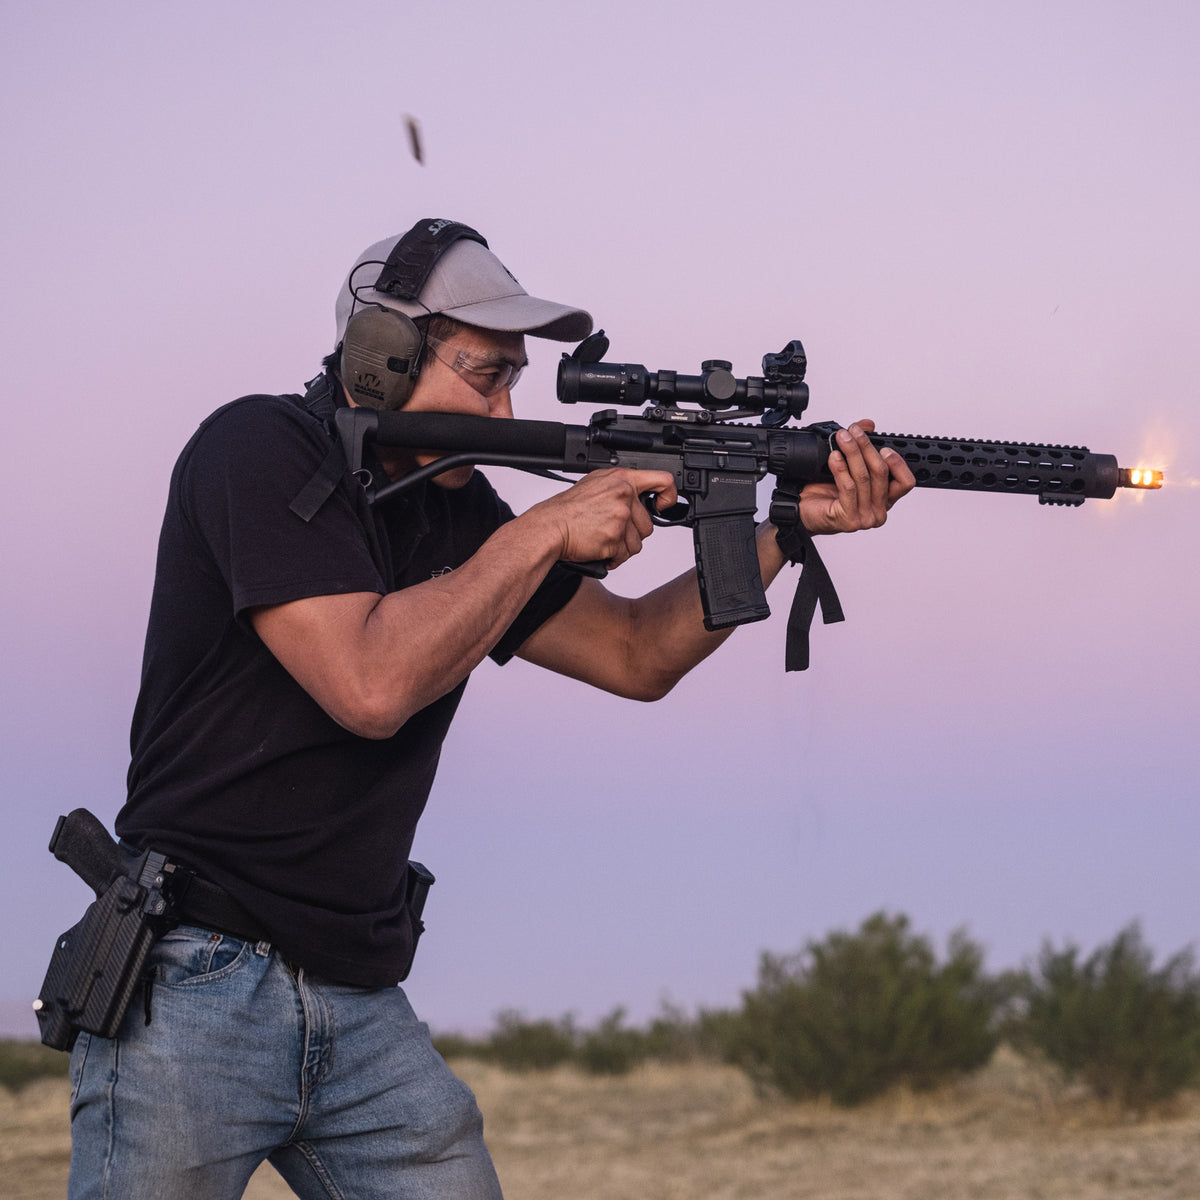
[{"x": 199, "y": 902}]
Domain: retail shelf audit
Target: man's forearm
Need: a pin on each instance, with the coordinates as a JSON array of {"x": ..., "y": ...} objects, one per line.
[
  {"x": 668, "y": 628},
  {"x": 637, "y": 648}
]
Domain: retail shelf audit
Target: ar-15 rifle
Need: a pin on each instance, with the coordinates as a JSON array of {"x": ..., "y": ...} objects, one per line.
[{"x": 717, "y": 463}]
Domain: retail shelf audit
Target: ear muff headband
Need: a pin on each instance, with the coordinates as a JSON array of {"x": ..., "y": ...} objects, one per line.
[
  {"x": 381, "y": 352},
  {"x": 414, "y": 256}
]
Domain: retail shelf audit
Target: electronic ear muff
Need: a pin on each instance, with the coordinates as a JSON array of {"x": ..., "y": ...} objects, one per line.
[
  {"x": 382, "y": 348},
  {"x": 380, "y": 357}
]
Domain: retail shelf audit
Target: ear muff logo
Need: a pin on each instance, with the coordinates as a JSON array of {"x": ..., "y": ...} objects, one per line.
[{"x": 368, "y": 385}]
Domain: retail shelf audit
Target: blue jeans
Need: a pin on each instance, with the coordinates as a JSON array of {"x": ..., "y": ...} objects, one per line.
[{"x": 246, "y": 1059}]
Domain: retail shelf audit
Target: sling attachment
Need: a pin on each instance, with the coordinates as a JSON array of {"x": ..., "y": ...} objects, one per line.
[
  {"x": 319, "y": 401},
  {"x": 814, "y": 586}
]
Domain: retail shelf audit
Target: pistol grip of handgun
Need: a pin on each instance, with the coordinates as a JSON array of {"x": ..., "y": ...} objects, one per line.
[
  {"x": 82, "y": 842},
  {"x": 731, "y": 588}
]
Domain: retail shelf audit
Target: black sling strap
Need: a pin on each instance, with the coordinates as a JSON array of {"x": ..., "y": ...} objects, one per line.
[
  {"x": 814, "y": 586},
  {"x": 318, "y": 400}
]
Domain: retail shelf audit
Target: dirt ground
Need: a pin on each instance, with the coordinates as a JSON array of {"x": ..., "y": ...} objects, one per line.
[{"x": 700, "y": 1132}]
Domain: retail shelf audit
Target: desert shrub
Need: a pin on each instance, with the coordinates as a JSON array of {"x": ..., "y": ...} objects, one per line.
[
  {"x": 859, "y": 1013},
  {"x": 525, "y": 1045},
  {"x": 719, "y": 1034},
  {"x": 1128, "y": 1030},
  {"x": 674, "y": 1037},
  {"x": 1008, "y": 994},
  {"x": 24, "y": 1060},
  {"x": 612, "y": 1048},
  {"x": 457, "y": 1045}
]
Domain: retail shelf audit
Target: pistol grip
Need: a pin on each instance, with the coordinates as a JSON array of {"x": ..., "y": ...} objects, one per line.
[{"x": 82, "y": 842}]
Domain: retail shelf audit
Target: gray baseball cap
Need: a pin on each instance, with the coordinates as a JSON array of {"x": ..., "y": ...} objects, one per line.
[{"x": 470, "y": 284}]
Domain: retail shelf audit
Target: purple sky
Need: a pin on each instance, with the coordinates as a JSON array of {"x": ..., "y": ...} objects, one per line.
[{"x": 981, "y": 220}]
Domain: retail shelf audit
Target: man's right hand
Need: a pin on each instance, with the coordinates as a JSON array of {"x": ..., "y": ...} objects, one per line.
[{"x": 603, "y": 518}]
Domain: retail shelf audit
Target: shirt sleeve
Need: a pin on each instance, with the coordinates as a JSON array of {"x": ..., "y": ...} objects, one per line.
[{"x": 240, "y": 474}]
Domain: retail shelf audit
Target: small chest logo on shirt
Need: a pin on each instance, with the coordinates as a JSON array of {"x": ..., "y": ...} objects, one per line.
[{"x": 440, "y": 572}]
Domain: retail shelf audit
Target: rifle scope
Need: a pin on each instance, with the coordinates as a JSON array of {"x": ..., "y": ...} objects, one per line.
[{"x": 780, "y": 392}]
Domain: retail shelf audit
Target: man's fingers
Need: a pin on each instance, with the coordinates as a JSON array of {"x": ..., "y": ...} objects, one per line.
[
  {"x": 660, "y": 483},
  {"x": 863, "y": 478},
  {"x": 890, "y": 476},
  {"x": 901, "y": 480},
  {"x": 854, "y": 481}
]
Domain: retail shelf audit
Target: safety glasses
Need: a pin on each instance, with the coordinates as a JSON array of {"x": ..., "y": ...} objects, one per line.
[{"x": 487, "y": 375}]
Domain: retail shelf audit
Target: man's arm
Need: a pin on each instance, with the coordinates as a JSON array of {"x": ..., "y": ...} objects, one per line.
[
  {"x": 372, "y": 661},
  {"x": 640, "y": 648}
]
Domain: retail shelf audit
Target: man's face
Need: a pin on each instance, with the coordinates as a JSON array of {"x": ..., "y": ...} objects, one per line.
[{"x": 455, "y": 375}]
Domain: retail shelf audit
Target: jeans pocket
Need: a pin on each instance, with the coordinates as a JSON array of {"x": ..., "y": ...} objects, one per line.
[
  {"x": 189, "y": 957},
  {"x": 79, "y": 1054}
]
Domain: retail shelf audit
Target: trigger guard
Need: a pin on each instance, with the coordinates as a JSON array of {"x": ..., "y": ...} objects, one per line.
[{"x": 677, "y": 514}]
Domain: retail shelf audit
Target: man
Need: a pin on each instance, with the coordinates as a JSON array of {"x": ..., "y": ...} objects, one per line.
[{"x": 300, "y": 673}]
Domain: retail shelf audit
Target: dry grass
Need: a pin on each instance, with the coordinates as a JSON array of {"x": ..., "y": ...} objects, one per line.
[{"x": 699, "y": 1131}]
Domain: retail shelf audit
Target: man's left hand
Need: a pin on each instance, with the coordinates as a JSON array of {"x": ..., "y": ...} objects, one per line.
[{"x": 866, "y": 483}]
